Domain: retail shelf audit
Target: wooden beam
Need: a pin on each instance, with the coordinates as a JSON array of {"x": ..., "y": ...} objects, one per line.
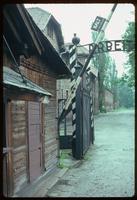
[{"x": 12, "y": 26}]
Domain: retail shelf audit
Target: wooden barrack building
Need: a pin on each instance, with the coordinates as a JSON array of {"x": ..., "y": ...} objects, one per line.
[{"x": 31, "y": 67}]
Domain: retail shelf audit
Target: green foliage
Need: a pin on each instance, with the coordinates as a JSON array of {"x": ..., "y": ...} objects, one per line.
[
  {"x": 125, "y": 94},
  {"x": 130, "y": 32},
  {"x": 107, "y": 74},
  {"x": 63, "y": 155},
  {"x": 60, "y": 165},
  {"x": 130, "y": 64},
  {"x": 87, "y": 157},
  {"x": 103, "y": 110}
]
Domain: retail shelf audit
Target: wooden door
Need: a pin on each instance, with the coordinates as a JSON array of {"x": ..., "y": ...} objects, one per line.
[{"x": 34, "y": 139}]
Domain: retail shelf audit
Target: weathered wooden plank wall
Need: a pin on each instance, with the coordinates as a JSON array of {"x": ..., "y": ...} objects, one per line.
[
  {"x": 19, "y": 135},
  {"x": 46, "y": 78}
]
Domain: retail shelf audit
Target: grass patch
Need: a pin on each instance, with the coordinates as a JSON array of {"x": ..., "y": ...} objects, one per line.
[
  {"x": 87, "y": 157},
  {"x": 63, "y": 155},
  {"x": 60, "y": 165}
]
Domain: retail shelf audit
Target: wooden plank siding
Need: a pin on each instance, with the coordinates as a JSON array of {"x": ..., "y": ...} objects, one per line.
[
  {"x": 19, "y": 137},
  {"x": 46, "y": 78},
  {"x": 18, "y": 158}
]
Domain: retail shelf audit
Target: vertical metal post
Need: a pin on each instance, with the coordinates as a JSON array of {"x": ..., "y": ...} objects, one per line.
[
  {"x": 75, "y": 105},
  {"x": 58, "y": 128},
  {"x": 78, "y": 80},
  {"x": 72, "y": 59},
  {"x": 65, "y": 127}
]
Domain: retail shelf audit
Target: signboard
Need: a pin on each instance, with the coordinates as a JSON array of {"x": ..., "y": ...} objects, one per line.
[
  {"x": 98, "y": 23},
  {"x": 113, "y": 45}
]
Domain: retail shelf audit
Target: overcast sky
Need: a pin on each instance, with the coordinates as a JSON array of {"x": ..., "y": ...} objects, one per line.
[{"x": 77, "y": 18}]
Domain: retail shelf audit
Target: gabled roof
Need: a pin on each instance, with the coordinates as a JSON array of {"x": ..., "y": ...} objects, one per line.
[
  {"x": 94, "y": 71},
  {"x": 81, "y": 50},
  {"x": 16, "y": 24},
  {"x": 29, "y": 33},
  {"x": 10, "y": 77},
  {"x": 42, "y": 18}
]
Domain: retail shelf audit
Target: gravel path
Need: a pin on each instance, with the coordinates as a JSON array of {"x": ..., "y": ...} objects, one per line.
[{"x": 108, "y": 167}]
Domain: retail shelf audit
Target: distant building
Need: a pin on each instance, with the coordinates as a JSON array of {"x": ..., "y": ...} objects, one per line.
[
  {"x": 82, "y": 55},
  {"x": 108, "y": 100}
]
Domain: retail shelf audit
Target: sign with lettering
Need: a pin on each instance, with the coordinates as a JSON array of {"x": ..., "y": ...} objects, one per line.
[
  {"x": 98, "y": 23},
  {"x": 113, "y": 45}
]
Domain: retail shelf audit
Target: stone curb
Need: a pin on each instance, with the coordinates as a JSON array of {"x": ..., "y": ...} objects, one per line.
[
  {"x": 42, "y": 187},
  {"x": 55, "y": 180},
  {"x": 61, "y": 173}
]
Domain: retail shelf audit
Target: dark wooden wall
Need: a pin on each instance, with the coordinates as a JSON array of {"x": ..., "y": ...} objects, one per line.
[{"x": 7, "y": 59}]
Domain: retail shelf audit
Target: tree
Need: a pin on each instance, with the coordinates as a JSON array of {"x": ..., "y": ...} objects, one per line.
[
  {"x": 100, "y": 61},
  {"x": 107, "y": 71},
  {"x": 129, "y": 77},
  {"x": 125, "y": 94}
]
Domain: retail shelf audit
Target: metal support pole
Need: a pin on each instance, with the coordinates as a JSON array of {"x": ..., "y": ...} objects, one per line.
[{"x": 78, "y": 80}]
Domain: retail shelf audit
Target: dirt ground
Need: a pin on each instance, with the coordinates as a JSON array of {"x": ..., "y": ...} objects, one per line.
[{"x": 108, "y": 167}]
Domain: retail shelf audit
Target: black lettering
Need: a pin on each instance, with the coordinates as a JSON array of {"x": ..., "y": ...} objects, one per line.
[
  {"x": 117, "y": 43},
  {"x": 100, "y": 46},
  {"x": 108, "y": 46},
  {"x": 113, "y": 45},
  {"x": 96, "y": 49}
]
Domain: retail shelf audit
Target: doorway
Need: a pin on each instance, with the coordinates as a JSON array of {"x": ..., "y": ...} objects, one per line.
[{"x": 34, "y": 140}]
